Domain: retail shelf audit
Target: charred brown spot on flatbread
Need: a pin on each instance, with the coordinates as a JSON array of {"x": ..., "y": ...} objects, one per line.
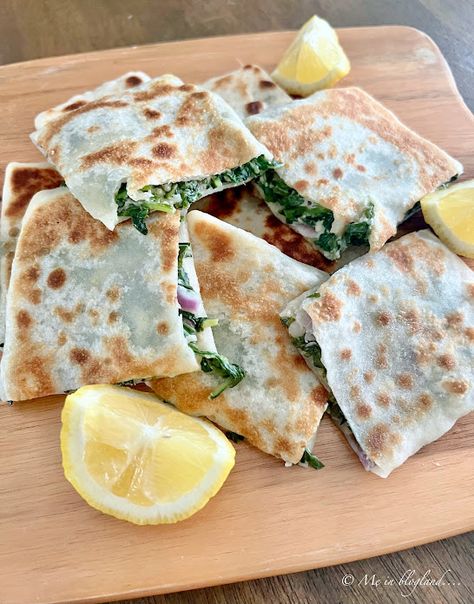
[
  {"x": 405, "y": 381},
  {"x": 155, "y": 90},
  {"x": 363, "y": 411},
  {"x": 187, "y": 87},
  {"x": 329, "y": 308},
  {"x": 384, "y": 318},
  {"x": 163, "y": 151},
  {"x": 23, "y": 319},
  {"x": 56, "y": 278},
  {"x": 470, "y": 290},
  {"x": 266, "y": 84},
  {"x": 411, "y": 319},
  {"x": 446, "y": 361},
  {"x": 455, "y": 386},
  {"x": 352, "y": 288},
  {"x": 161, "y": 131},
  {"x": 455, "y": 319},
  {"x": 319, "y": 395},
  {"x": 113, "y": 317},
  {"x": 217, "y": 241},
  {"x": 79, "y": 356},
  {"x": 151, "y": 114},
  {"x": 132, "y": 81},
  {"x": 93, "y": 129},
  {"x": 254, "y": 107},
  {"x": 62, "y": 338},
  {"x": 25, "y": 182},
  {"x": 310, "y": 168},
  {"x": 117, "y": 153},
  {"x": 32, "y": 274},
  {"x": 113, "y": 293},
  {"x": 337, "y": 173},
  {"x": 469, "y": 333},
  {"x": 301, "y": 185},
  {"x": 68, "y": 316},
  {"x": 369, "y": 376},
  {"x": 380, "y": 441},
  {"x": 356, "y": 327},
  {"x": 345, "y": 354},
  {"x": 194, "y": 108},
  {"x": 381, "y": 361},
  {"x": 74, "y": 106},
  {"x": 382, "y": 399},
  {"x": 361, "y": 168},
  {"x": 402, "y": 257},
  {"x": 424, "y": 402},
  {"x": 163, "y": 328}
]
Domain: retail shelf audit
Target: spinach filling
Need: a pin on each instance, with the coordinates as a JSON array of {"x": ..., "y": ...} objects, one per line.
[
  {"x": 180, "y": 195},
  {"x": 211, "y": 362},
  {"x": 294, "y": 208},
  {"x": 311, "y": 460}
]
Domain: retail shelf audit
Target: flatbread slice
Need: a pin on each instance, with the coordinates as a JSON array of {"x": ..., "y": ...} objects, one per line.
[
  {"x": 158, "y": 148},
  {"x": 245, "y": 282},
  {"x": 248, "y": 90},
  {"x": 392, "y": 336},
  {"x": 22, "y": 181},
  {"x": 86, "y": 305},
  {"x": 351, "y": 170}
]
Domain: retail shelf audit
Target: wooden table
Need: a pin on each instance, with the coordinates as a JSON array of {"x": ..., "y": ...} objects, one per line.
[{"x": 38, "y": 28}]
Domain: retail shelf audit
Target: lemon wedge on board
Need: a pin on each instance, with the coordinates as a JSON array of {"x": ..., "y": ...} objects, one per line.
[
  {"x": 450, "y": 213},
  {"x": 315, "y": 60},
  {"x": 138, "y": 459}
]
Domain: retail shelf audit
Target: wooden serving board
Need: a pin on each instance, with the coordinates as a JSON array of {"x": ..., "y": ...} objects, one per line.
[{"x": 267, "y": 519}]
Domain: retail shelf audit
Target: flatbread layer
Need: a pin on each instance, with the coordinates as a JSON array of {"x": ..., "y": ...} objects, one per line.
[
  {"x": 245, "y": 282},
  {"x": 396, "y": 332},
  {"x": 248, "y": 90},
  {"x": 86, "y": 305},
  {"x": 166, "y": 132},
  {"x": 22, "y": 181},
  {"x": 344, "y": 151}
]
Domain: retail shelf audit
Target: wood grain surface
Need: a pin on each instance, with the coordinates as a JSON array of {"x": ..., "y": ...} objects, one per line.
[{"x": 267, "y": 519}]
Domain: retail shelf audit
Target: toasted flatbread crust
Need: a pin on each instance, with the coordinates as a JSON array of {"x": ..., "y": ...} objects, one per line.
[
  {"x": 245, "y": 282},
  {"x": 396, "y": 330},
  {"x": 342, "y": 149},
  {"x": 86, "y": 305},
  {"x": 22, "y": 181}
]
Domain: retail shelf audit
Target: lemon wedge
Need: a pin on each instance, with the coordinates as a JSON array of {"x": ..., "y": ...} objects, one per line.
[
  {"x": 133, "y": 457},
  {"x": 315, "y": 60},
  {"x": 450, "y": 213}
]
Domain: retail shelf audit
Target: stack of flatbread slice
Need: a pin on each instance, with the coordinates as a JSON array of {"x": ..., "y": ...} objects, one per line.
[{"x": 106, "y": 278}]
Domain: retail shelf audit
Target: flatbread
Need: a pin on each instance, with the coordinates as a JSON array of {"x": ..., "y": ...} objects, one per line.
[
  {"x": 396, "y": 332},
  {"x": 22, "y": 181},
  {"x": 344, "y": 151},
  {"x": 242, "y": 208},
  {"x": 86, "y": 305},
  {"x": 245, "y": 282},
  {"x": 248, "y": 90},
  {"x": 165, "y": 132}
]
